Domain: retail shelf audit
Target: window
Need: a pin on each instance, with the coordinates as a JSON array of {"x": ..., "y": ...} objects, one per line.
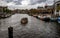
[
  {"x": 57, "y": 10},
  {"x": 58, "y": 4}
]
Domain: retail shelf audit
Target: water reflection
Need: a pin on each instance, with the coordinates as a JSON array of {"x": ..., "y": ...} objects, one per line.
[{"x": 34, "y": 29}]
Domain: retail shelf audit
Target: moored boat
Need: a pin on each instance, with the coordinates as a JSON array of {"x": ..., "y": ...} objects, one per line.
[
  {"x": 4, "y": 15},
  {"x": 53, "y": 19},
  {"x": 58, "y": 19},
  {"x": 44, "y": 18}
]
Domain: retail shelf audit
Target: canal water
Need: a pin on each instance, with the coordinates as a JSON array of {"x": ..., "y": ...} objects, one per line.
[{"x": 34, "y": 29}]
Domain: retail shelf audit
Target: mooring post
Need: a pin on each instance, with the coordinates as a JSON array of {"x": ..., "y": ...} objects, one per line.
[{"x": 10, "y": 32}]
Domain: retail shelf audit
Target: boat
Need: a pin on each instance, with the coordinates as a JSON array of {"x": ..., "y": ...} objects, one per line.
[
  {"x": 53, "y": 19},
  {"x": 24, "y": 20},
  {"x": 44, "y": 18},
  {"x": 4, "y": 15},
  {"x": 58, "y": 19},
  {"x": 35, "y": 16}
]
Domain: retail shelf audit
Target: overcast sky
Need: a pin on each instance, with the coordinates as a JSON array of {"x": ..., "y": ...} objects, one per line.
[{"x": 25, "y": 4}]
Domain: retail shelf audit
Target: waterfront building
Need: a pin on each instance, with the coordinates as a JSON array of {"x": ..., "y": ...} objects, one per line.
[
  {"x": 57, "y": 7},
  {"x": 49, "y": 9},
  {"x": 2, "y": 8},
  {"x": 40, "y": 8},
  {"x": 46, "y": 10}
]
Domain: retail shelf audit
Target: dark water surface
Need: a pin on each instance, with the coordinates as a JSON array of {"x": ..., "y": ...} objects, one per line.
[{"x": 34, "y": 29}]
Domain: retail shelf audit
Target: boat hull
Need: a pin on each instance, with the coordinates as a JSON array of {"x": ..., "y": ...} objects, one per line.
[
  {"x": 58, "y": 19},
  {"x": 24, "y": 21}
]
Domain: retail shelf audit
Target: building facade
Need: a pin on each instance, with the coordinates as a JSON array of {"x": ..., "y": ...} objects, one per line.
[
  {"x": 46, "y": 10},
  {"x": 2, "y": 8},
  {"x": 57, "y": 7}
]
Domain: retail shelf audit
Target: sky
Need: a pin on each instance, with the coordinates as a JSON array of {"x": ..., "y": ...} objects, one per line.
[{"x": 25, "y": 4}]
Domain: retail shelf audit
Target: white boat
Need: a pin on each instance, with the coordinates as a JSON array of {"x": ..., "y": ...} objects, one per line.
[{"x": 44, "y": 18}]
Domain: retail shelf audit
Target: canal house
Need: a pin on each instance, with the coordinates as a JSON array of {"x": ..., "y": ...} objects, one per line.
[
  {"x": 57, "y": 7},
  {"x": 46, "y": 10},
  {"x": 49, "y": 9},
  {"x": 2, "y": 8},
  {"x": 57, "y": 10}
]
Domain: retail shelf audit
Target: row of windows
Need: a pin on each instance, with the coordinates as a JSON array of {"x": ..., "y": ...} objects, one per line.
[
  {"x": 57, "y": 10},
  {"x": 58, "y": 4}
]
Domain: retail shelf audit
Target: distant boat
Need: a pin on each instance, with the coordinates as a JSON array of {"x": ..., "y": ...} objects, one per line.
[
  {"x": 34, "y": 15},
  {"x": 24, "y": 20},
  {"x": 4, "y": 15},
  {"x": 41, "y": 17}
]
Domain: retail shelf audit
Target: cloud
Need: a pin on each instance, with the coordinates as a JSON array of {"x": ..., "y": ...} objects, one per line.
[
  {"x": 22, "y": 7},
  {"x": 3, "y": 3},
  {"x": 29, "y": 2},
  {"x": 49, "y": 2},
  {"x": 36, "y": 1},
  {"x": 8, "y": 1},
  {"x": 23, "y": 4},
  {"x": 17, "y": 2},
  {"x": 10, "y": 4}
]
